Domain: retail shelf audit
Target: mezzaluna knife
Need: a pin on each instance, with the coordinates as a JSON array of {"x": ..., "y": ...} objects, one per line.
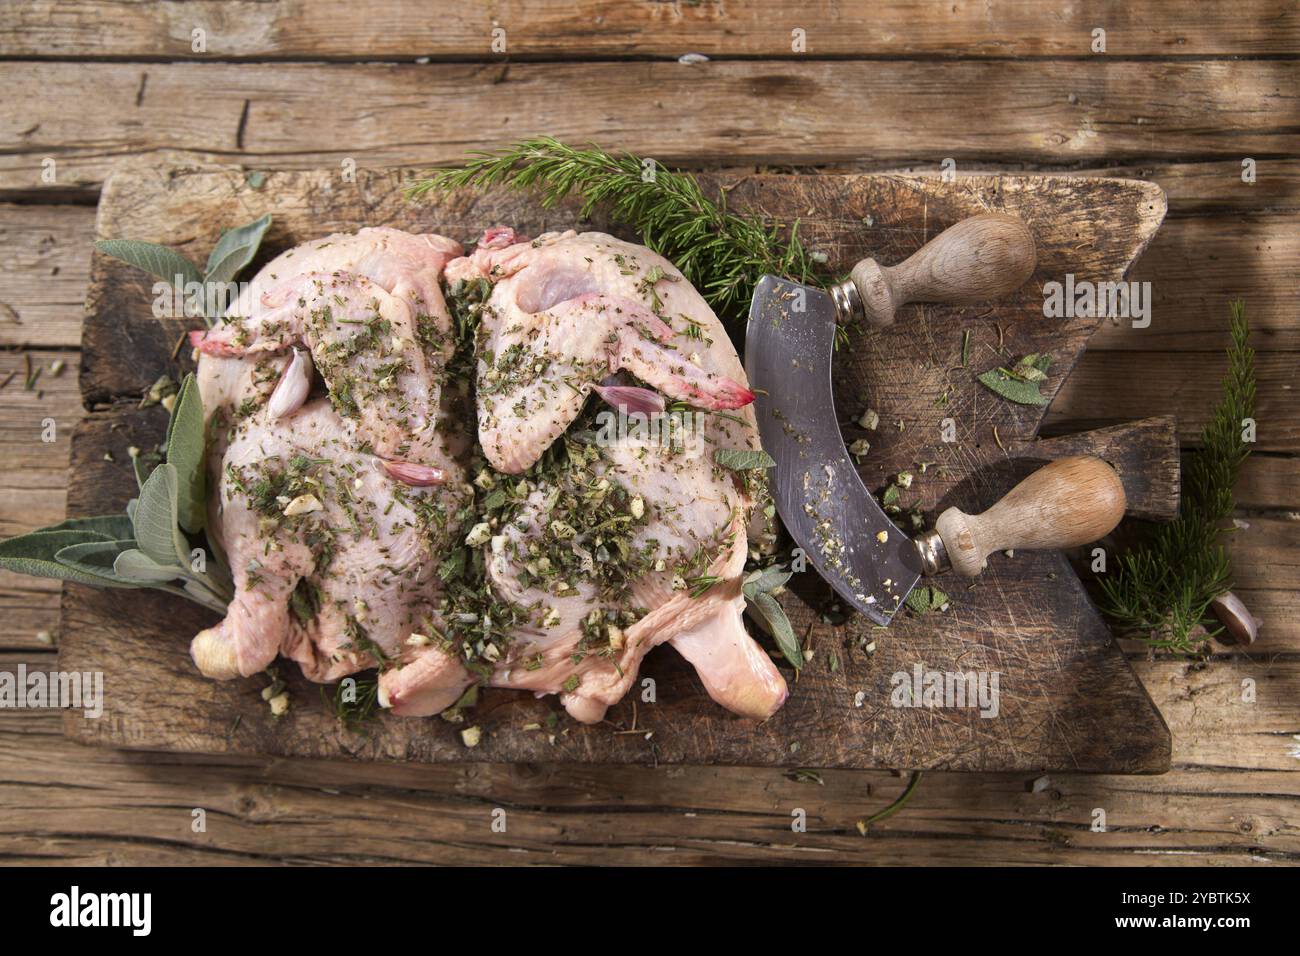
[{"x": 789, "y": 344}]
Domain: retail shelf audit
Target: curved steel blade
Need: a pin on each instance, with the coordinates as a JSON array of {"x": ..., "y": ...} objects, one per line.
[{"x": 824, "y": 504}]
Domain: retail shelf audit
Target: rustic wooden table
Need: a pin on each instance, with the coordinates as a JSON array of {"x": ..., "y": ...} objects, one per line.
[{"x": 1184, "y": 94}]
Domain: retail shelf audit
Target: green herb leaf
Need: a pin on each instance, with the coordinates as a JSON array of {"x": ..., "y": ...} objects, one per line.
[
  {"x": 200, "y": 593},
  {"x": 453, "y": 566},
  {"x": 108, "y": 527},
  {"x": 740, "y": 459},
  {"x": 355, "y": 708},
  {"x": 134, "y": 565},
  {"x": 154, "y": 259},
  {"x": 765, "y": 581},
  {"x": 235, "y": 249},
  {"x": 769, "y": 610},
  {"x": 36, "y": 554},
  {"x": 1017, "y": 385},
  {"x": 304, "y": 602},
  {"x": 186, "y": 441},
  {"x": 925, "y": 599},
  {"x": 97, "y": 558},
  {"x": 156, "y": 519}
]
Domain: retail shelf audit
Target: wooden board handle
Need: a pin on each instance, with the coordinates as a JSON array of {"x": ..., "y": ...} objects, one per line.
[
  {"x": 980, "y": 258},
  {"x": 1068, "y": 502}
]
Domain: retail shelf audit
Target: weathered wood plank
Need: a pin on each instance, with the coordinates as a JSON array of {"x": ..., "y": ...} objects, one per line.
[
  {"x": 28, "y": 417},
  {"x": 1209, "y": 186},
  {"x": 86, "y": 29},
  {"x": 45, "y": 260},
  {"x": 33, "y": 480},
  {"x": 1269, "y": 482},
  {"x": 137, "y": 808},
  {"x": 1266, "y": 551},
  {"x": 1195, "y": 266},
  {"x": 31, "y": 611},
  {"x": 282, "y": 115},
  {"x": 1108, "y": 387},
  {"x": 1218, "y": 725}
]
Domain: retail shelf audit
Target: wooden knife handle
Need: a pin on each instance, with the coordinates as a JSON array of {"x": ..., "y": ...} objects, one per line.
[
  {"x": 1068, "y": 502},
  {"x": 980, "y": 258}
]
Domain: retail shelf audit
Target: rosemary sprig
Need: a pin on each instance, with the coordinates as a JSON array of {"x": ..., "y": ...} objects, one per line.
[
  {"x": 1162, "y": 589},
  {"x": 889, "y": 811},
  {"x": 722, "y": 253},
  {"x": 353, "y": 705}
]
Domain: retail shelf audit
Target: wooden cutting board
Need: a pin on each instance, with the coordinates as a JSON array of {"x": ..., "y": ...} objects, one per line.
[{"x": 1068, "y": 699}]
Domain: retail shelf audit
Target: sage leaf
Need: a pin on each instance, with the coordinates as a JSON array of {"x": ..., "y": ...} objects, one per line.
[
  {"x": 218, "y": 576},
  {"x": 141, "y": 472},
  {"x": 36, "y": 554},
  {"x": 778, "y": 625},
  {"x": 199, "y": 593},
  {"x": 1011, "y": 387},
  {"x": 765, "y": 581},
  {"x": 235, "y": 249},
  {"x": 134, "y": 565},
  {"x": 108, "y": 527},
  {"x": 185, "y": 450},
  {"x": 96, "y": 558},
  {"x": 740, "y": 459},
  {"x": 156, "y": 524},
  {"x": 154, "y": 259},
  {"x": 925, "y": 599}
]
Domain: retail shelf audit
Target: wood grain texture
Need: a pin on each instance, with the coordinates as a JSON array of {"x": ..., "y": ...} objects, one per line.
[
  {"x": 1196, "y": 265},
  {"x": 136, "y": 808},
  {"x": 325, "y": 29},
  {"x": 1117, "y": 386},
  {"x": 45, "y": 261},
  {"x": 1067, "y": 503},
  {"x": 32, "y": 480},
  {"x": 50, "y": 409},
  {"x": 976, "y": 261},
  {"x": 1144, "y": 454},
  {"x": 1268, "y": 482},
  {"x": 277, "y": 116},
  {"x": 1069, "y": 698}
]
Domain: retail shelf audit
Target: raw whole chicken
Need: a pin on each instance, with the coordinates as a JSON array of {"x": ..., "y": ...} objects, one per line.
[{"x": 365, "y": 527}]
